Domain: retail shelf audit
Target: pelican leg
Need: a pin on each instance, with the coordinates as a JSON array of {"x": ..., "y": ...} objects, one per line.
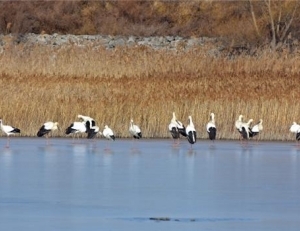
[
  {"x": 191, "y": 147},
  {"x": 73, "y": 139},
  {"x": 76, "y": 138},
  {"x": 134, "y": 144},
  {"x": 212, "y": 143},
  {"x": 7, "y": 142},
  {"x": 107, "y": 146},
  {"x": 256, "y": 139},
  {"x": 175, "y": 143},
  {"x": 47, "y": 140}
]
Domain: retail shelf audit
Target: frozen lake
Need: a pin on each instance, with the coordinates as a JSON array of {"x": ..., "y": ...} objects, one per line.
[{"x": 81, "y": 186}]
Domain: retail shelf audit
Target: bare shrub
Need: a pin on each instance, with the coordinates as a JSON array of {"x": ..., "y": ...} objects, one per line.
[{"x": 240, "y": 22}]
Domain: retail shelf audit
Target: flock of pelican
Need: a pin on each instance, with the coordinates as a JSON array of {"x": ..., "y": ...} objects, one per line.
[
  {"x": 176, "y": 128},
  {"x": 88, "y": 125},
  {"x": 245, "y": 129}
]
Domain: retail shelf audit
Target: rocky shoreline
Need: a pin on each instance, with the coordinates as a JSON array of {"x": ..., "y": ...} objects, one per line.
[
  {"x": 106, "y": 41},
  {"x": 213, "y": 46}
]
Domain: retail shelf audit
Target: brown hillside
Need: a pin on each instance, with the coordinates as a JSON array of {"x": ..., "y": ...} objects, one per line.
[{"x": 232, "y": 20}]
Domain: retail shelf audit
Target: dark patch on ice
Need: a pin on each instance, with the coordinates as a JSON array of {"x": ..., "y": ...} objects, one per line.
[{"x": 169, "y": 219}]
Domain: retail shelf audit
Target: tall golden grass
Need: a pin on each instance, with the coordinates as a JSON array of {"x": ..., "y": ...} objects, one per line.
[{"x": 40, "y": 84}]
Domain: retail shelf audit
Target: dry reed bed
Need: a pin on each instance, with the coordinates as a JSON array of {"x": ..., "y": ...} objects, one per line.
[{"x": 41, "y": 83}]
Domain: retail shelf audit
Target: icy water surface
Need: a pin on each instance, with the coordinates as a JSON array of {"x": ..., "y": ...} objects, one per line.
[{"x": 148, "y": 185}]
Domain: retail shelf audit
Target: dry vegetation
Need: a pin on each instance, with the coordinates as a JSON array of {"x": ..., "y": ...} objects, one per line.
[
  {"x": 112, "y": 86},
  {"x": 240, "y": 23},
  {"x": 44, "y": 83}
]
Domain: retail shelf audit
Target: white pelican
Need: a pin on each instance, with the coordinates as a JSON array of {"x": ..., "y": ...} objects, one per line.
[
  {"x": 257, "y": 128},
  {"x": 173, "y": 127},
  {"x": 8, "y": 130},
  {"x": 91, "y": 127},
  {"x": 245, "y": 129},
  {"x": 47, "y": 128},
  {"x": 191, "y": 132},
  {"x": 108, "y": 133},
  {"x": 211, "y": 127},
  {"x": 238, "y": 122},
  {"x": 295, "y": 128},
  {"x": 84, "y": 118},
  {"x": 92, "y": 131},
  {"x": 76, "y": 127},
  {"x": 180, "y": 127},
  {"x": 134, "y": 130},
  {"x": 176, "y": 128},
  {"x": 89, "y": 121}
]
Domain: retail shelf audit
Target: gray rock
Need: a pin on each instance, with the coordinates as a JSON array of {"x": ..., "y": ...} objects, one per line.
[{"x": 109, "y": 42}]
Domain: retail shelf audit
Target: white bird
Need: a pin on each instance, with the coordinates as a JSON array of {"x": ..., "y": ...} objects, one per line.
[
  {"x": 257, "y": 128},
  {"x": 8, "y": 130},
  {"x": 91, "y": 128},
  {"x": 238, "y": 122},
  {"x": 89, "y": 121},
  {"x": 86, "y": 118},
  {"x": 176, "y": 128},
  {"x": 76, "y": 127},
  {"x": 191, "y": 132},
  {"x": 180, "y": 127},
  {"x": 108, "y": 133},
  {"x": 134, "y": 130},
  {"x": 92, "y": 131},
  {"x": 245, "y": 129},
  {"x": 295, "y": 128},
  {"x": 173, "y": 127},
  {"x": 46, "y": 128},
  {"x": 211, "y": 127}
]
